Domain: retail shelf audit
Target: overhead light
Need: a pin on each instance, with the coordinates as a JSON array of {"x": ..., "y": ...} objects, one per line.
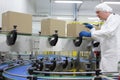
[
  {"x": 68, "y": 1},
  {"x": 96, "y": 21},
  {"x": 112, "y": 2},
  {"x": 63, "y": 18},
  {"x": 93, "y": 18}
]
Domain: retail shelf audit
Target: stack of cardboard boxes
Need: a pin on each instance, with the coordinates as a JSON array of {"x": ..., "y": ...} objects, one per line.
[{"x": 48, "y": 26}]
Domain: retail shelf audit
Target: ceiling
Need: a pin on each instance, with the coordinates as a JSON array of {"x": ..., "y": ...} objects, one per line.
[{"x": 47, "y": 8}]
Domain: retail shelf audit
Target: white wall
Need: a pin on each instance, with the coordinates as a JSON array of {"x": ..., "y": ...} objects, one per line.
[
  {"x": 24, "y": 6},
  {"x": 36, "y": 27}
]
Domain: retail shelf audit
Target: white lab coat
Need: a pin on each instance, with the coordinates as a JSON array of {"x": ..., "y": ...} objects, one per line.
[{"x": 109, "y": 38}]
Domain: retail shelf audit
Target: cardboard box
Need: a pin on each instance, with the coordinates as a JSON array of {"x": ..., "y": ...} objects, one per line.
[
  {"x": 97, "y": 27},
  {"x": 73, "y": 29},
  {"x": 48, "y": 27},
  {"x": 23, "y": 21}
]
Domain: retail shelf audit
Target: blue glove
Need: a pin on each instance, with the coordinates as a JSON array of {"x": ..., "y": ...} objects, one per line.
[
  {"x": 85, "y": 34},
  {"x": 88, "y": 25}
]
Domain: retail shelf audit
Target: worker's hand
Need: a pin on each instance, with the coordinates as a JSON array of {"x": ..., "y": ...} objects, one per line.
[
  {"x": 88, "y": 25},
  {"x": 85, "y": 34}
]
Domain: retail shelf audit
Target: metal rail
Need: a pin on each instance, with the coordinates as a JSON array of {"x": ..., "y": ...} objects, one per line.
[{"x": 62, "y": 73}]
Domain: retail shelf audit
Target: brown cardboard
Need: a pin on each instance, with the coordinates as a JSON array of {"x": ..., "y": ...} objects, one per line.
[
  {"x": 97, "y": 27},
  {"x": 73, "y": 29},
  {"x": 23, "y": 21},
  {"x": 48, "y": 27}
]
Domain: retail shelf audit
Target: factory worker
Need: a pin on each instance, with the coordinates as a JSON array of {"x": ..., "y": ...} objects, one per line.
[{"x": 108, "y": 36}]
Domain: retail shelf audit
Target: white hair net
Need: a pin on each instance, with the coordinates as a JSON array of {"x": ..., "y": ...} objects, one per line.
[{"x": 103, "y": 7}]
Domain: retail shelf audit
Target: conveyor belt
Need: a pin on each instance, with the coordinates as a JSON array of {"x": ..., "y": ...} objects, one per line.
[
  {"x": 20, "y": 73},
  {"x": 3, "y": 66},
  {"x": 17, "y": 73}
]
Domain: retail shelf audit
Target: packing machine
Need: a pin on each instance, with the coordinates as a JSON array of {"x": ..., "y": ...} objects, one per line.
[{"x": 33, "y": 57}]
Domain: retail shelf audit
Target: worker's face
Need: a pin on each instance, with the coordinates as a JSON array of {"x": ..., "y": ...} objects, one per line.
[{"x": 101, "y": 15}]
